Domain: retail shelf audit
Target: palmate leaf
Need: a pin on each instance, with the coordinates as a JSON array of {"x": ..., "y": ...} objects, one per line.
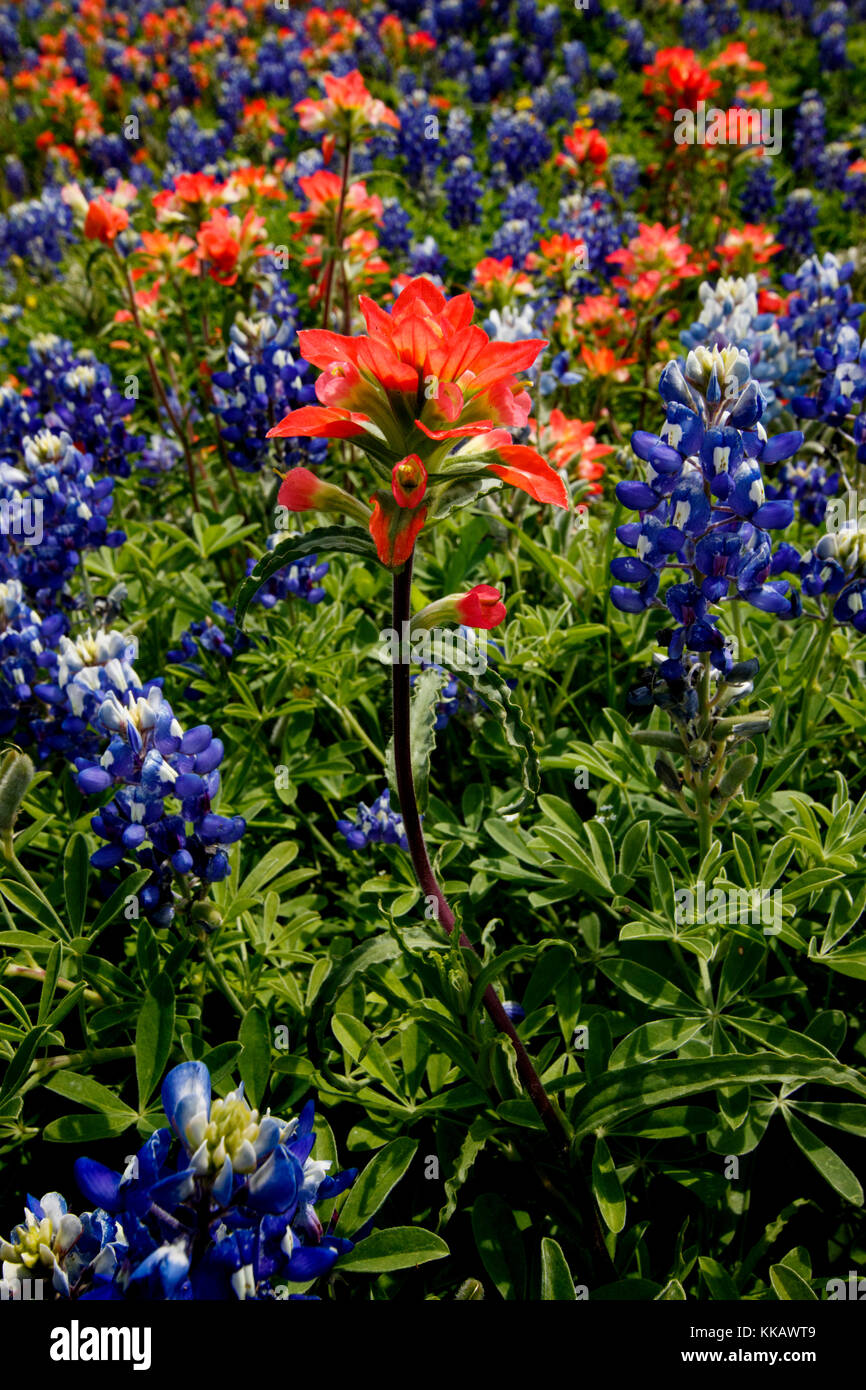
[
  {"x": 618, "y": 1095},
  {"x": 352, "y": 540}
]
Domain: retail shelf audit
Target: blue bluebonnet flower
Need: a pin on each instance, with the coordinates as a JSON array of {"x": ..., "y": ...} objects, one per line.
[
  {"x": 515, "y": 238},
  {"x": 594, "y": 219},
  {"x": 842, "y": 391},
  {"x": 418, "y": 136},
  {"x": 831, "y": 26},
  {"x": 514, "y": 1010},
  {"x": 458, "y": 135},
  {"x": 15, "y": 176},
  {"x": 758, "y": 198},
  {"x": 298, "y": 580},
  {"x": 519, "y": 141},
  {"x": 555, "y": 101},
  {"x": 820, "y": 300},
  {"x": 74, "y": 507},
  {"x": 159, "y": 455},
  {"x": 425, "y": 258},
  {"x": 703, "y": 507},
  {"x": 605, "y": 108},
  {"x": 624, "y": 173},
  {"x": 38, "y": 231},
  {"x": 376, "y": 824},
  {"x": 205, "y": 638},
  {"x": 192, "y": 148},
  {"x": 806, "y": 484},
  {"x": 797, "y": 221},
  {"x": 854, "y": 188},
  {"x": 226, "y": 1212},
  {"x": 833, "y": 164},
  {"x": 729, "y": 317},
  {"x": 576, "y": 60},
  {"x": 52, "y": 1244},
  {"x": 80, "y": 673},
  {"x": 395, "y": 231},
  {"x": 87, "y": 405},
  {"x": 261, "y": 379},
  {"x": 24, "y": 642},
  {"x": 558, "y": 373},
  {"x": 522, "y": 203},
  {"x": 150, "y": 759},
  {"x": 835, "y": 570},
  {"x": 463, "y": 189},
  {"x": 639, "y": 51},
  {"x": 809, "y": 131}
]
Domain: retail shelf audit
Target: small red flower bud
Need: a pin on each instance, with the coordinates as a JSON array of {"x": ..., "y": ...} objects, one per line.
[
  {"x": 409, "y": 481},
  {"x": 301, "y": 491},
  {"x": 481, "y": 607}
]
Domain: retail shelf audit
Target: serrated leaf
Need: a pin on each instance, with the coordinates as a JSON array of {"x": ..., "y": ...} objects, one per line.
[
  {"x": 352, "y": 540},
  {"x": 422, "y": 729}
]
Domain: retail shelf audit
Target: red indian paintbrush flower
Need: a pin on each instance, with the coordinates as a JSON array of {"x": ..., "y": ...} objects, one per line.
[
  {"x": 424, "y": 383},
  {"x": 104, "y": 221}
]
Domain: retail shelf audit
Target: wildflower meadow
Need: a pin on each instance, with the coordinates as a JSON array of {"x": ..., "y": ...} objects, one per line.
[{"x": 433, "y": 661}]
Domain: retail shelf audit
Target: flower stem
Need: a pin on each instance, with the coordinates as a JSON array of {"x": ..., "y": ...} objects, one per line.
[
  {"x": 338, "y": 231},
  {"x": 550, "y": 1116}
]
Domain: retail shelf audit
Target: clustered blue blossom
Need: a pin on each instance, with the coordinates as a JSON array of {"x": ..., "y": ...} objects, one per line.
[
  {"x": 262, "y": 381},
  {"x": 37, "y": 232},
  {"x": 703, "y": 507},
  {"x": 220, "y": 1206},
  {"x": 797, "y": 222},
  {"x": 463, "y": 188},
  {"x": 729, "y": 317},
  {"x": 149, "y": 760},
  {"x": 373, "y": 825},
  {"x": 76, "y": 393}
]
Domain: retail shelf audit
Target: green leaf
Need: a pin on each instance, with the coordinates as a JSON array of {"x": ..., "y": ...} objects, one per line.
[
  {"x": 351, "y": 540},
  {"x": 109, "y": 911},
  {"x": 255, "y": 1060},
  {"x": 364, "y": 1049},
  {"x": 557, "y": 1284},
  {"x": 49, "y": 984},
  {"x": 607, "y": 1188},
  {"x": 518, "y": 733},
  {"x": 654, "y": 1039},
  {"x": 632, "y": 847},
  {"x": 22, "y": 897},
  {"x": 422, "y": 729},
  {"x": 647, "y": 986},
  {"x": 76, "y": 877},
  {"x": 88, "y": 1092},
  {"x": 789, "y": 1287},
  {"x": 372, "y": 1187},
  {"x": 153, "y": 1037},
  {"x": 631, "y": 1090},
  {"x": 500, "y": 1245},
  {"x": 84, "y": 1129},
  {"x": 401, "y": 1247},
  {"x": 825, "y": 1160},
  {"x": 718, "y": 1280},
  {"x": 20, "y": 1064}
]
